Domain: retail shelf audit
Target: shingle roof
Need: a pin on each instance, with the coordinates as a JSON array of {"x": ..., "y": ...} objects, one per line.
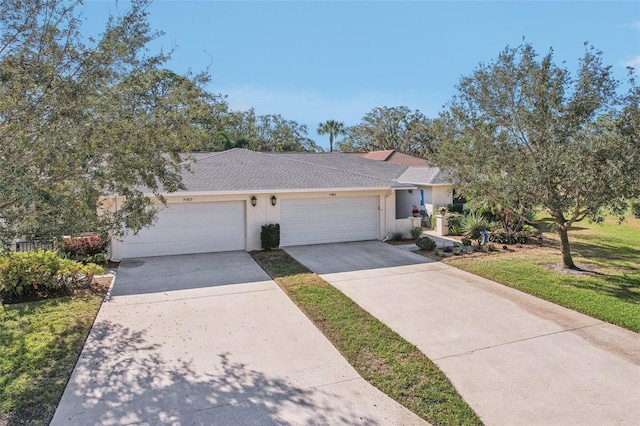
[
  {"x": 242, "y": 170},
  {"x": 424, "y": 175},
  {"x": 343, "y": 161}
]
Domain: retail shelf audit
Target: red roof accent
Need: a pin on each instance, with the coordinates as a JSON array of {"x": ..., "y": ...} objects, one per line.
[
  {"x": 379, "y": 155},
  {"x": 393, "y": 157}
]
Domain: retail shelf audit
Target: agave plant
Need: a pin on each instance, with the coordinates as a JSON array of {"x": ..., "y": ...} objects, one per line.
[{"x": 472, "y": 225}]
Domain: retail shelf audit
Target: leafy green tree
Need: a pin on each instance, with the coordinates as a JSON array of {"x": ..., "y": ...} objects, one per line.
[
  {"x": 524, "y": 132},
  {"x": 396, "y": 128},
  {"x": 271, "y": 132},
  {"x": 333, "y": 128},
  {"x": 275, "y": 133},
  {"x": 83, "y": 119},
  {"x": 215, "y": 124}
]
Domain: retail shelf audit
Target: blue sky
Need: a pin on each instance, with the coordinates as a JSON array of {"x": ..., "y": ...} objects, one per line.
[{"x": 316, "y": 60}]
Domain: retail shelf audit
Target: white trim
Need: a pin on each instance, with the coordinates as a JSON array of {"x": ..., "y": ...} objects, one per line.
[{"x": 273, "y": 191}]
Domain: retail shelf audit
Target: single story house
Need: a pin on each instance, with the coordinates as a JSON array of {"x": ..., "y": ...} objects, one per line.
[{"x": 315, "y": 197}]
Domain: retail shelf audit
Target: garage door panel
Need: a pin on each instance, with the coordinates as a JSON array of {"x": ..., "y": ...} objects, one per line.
[
  {"x": 191, "y": 228},
  {"x": 329, "y": 220}
]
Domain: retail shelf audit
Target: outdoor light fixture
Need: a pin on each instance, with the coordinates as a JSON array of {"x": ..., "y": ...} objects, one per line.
[
  {"x": 273, "y": 200},
  {"x": 254, "y": 200}
]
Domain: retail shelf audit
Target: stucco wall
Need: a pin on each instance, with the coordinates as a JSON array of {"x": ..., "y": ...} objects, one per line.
[
  {"x": 442, "y": 196},
  {"x": 264, "y": 212},
  {"x": 437, "y": 196},
  {"x": 405, "y": 202}
]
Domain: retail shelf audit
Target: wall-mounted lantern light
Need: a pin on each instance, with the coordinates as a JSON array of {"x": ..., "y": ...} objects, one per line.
[
  {"x": 411, "y": 191},
  {"x": 254, "y": 200},
  {"x": 273, "y": 200}
]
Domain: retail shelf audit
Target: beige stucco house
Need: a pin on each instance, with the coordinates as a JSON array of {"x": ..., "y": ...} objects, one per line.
[{"x": 315, "y": 197}]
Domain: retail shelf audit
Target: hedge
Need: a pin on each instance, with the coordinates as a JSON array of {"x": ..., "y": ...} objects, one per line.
[{"x": 23, "y": 273}]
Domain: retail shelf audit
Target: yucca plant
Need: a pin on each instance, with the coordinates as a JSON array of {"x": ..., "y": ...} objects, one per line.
[{"x": 472, "y": 225}]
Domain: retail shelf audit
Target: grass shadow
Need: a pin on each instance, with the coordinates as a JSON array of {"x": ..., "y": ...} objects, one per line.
[{"x": 39, "y": 344}]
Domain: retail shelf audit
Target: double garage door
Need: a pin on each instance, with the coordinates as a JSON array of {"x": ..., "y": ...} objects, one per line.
[
  {"x": 186, "y": 228},
  {"x": 191, "y": 228}
]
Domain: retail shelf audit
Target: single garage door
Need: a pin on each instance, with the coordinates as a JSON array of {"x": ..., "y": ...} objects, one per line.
[
  {"x": 191, "y": 228},
  {"x": 328, "y": 220}
]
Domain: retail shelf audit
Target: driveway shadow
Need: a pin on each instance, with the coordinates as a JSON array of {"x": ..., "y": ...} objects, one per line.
[
  {"x": 169, "y": 273},
  {"x": 354, "y": 256},
  {"x": 123, "y": 378}
]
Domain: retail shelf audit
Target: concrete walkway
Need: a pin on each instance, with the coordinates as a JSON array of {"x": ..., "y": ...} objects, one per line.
[
  {"x": 516, "y": 359},
  {"x": 210, "y": 339},
  {"x": 441, "y": 241}
]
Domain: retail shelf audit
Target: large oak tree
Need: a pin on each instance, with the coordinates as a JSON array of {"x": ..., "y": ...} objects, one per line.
[
  {"x": 385, "y": 128},
  {"x": 525, "y": 132},
  {"x": 83, "y": 118},
  {"x": 228, "y": 129}
]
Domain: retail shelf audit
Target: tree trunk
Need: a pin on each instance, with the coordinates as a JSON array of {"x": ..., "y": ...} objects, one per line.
[
  {"x": 330, "y": 143},
  {"x": 567, "y": 260}
]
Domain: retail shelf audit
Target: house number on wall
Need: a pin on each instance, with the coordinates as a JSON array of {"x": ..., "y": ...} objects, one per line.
[
  {"x": 332, "y": 194},
  {"x": 186, "y": 200}
]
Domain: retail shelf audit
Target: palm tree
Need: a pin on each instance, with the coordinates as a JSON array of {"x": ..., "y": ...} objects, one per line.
[{"x": 333, "y": 128}]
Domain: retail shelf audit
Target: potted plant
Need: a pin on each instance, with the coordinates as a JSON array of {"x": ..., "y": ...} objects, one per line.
[{"x": 415, "y": 211}]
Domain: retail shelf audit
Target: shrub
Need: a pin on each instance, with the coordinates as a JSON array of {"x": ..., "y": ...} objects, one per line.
[
  {"x": 454, "y": 220},
  {"x": 425, "y": 243},
  {"x": 472, "y": 226},
  {"x": 78, "y": 248},
  {"x": 465, "y": 241},
  {"x": 493, "y": 226},
  {"x": 455, "y": 208},
  {"x": 521, "y": 237},
  {"x": 635, "y": 209},
  {"x": 270, "y": 236},
  {"x": 100, "y": 258},
  {"x": 397, "y": 235},
  {"x": 416, "y": 231},
  {"x": 23, "y": 273},
  {"x": 501, "y": 236}
]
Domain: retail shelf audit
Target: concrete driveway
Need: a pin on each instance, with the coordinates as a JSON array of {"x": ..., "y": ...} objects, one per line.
[
  {"x": 211, "y": 339},
  {"x": 516, "y": 359}
]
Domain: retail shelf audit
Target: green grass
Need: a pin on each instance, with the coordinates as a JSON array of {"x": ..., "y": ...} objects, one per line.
[
  {"x": 609, "y": 253},
  {"x": 380, "y": 356},
  {"x": 39, "y": 345}
]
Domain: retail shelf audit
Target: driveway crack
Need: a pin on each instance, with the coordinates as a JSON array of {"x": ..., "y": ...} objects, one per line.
[
  {"x": 518, "y": 341},
  {"x": 190, "y": 298}
]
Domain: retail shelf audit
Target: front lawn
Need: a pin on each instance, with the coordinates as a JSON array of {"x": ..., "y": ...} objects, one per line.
[
  {"x": 607, "y": 288},
  {"x": 39, "y": 345},
  {"x": 380, "y": 356}
]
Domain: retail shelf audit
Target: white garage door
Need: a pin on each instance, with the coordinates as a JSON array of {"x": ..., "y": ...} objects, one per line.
[
  {"x": 328, "y": 220},
  {"x": 191, "y": 228}
]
